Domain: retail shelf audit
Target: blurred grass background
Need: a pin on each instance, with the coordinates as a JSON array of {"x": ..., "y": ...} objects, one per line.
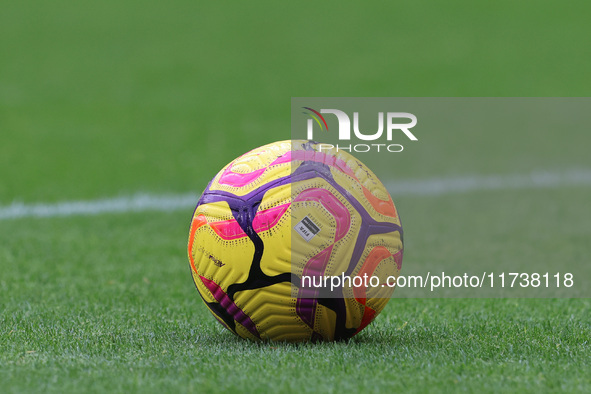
[
  {"x": 99, "y": 99},
  {"x": 121, "y": 96}
]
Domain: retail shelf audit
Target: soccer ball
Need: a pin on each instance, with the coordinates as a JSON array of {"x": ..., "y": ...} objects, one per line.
[{"x": 285, "y": 212}]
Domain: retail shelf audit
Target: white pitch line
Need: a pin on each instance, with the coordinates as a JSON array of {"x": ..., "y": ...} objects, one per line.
[
  {"x": 420, "y": 187},
  {"x": 465, "y": 184},
  {"x": 135, "y": 203}
]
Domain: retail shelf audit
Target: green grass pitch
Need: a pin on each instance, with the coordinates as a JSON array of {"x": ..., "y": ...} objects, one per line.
[{"x": 112, "y": 98}]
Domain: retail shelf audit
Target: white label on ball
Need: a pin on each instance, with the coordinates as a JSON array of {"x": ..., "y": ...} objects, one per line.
[{"x": 307, "y": 228}]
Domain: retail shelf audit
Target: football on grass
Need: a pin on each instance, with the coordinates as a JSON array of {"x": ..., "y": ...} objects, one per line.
[{"x": 278, "y": 227}]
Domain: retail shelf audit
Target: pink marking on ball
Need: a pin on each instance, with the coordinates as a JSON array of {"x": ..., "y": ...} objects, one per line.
[{"x": 230, "y": 306}]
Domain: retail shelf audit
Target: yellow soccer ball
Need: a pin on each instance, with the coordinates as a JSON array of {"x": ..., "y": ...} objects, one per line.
[{"x": 277, "y": 221}]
